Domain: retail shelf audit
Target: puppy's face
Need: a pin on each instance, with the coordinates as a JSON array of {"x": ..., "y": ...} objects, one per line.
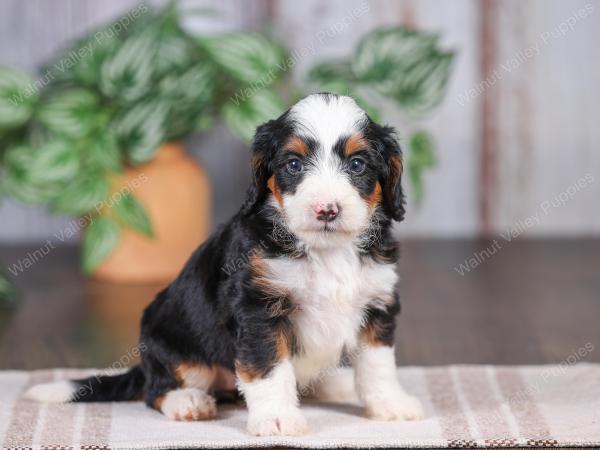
[{"x": 328, "y": 169}]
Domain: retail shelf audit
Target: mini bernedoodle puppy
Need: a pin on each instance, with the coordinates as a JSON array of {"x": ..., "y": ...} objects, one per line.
[{"x": 319, "y": 283}]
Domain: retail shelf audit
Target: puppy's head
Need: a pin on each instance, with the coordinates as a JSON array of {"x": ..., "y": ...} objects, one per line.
[{"x": 328, "y": 169}]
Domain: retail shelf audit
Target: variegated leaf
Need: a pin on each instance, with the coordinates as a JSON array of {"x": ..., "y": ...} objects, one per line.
[
  {"x": 130, "y": 212},
  {"x": 247, "y": 57},
  {"x": 189, "y": 95},
  {"x": 384, "y": 53},
  {"x": 100, "y": 239},
  {"x": 82, "y": 195},
  {"x": 142, "y": 129},
  {"x": 420, "y": 159},
  {"x": 424, "y": 84},
  {"x": 103, "y": 152},
  {"x": 38, "y": 175},
  {"x": 18, "y": 95},
  {"x": 72, "y": 113},
  {"x": 405, "y": 65},
  {"x": 127, "y": 74}
]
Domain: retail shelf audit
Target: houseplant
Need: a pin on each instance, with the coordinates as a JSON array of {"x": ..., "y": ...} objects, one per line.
[
  {"x": 75, "y": 142},
  {"x": 66, "y": 139}
]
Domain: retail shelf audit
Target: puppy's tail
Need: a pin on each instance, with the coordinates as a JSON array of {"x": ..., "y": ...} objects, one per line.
[{"x": 100, "y": 388}]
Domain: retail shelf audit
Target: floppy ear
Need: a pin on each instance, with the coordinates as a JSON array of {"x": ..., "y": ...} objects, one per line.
[
  {"x": 391, "y": 175},
  {"x": 262, "y": 150}
]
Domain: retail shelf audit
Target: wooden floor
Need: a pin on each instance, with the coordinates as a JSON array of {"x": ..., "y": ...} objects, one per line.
[{"x": 531, "y": 302}]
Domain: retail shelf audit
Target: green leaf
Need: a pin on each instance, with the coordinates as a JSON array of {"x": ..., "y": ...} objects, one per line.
[
  {"x": 102, "y": 152},
  {"x": 243, "y": 118},
  {"x": 176, "y": 86},
  {"x": 71, "y": 113},
  {"x": 28, "y": 193},
  {"x": 37, "y": 175},
  {"x": 420, "y": 158},
  {"x": 247, "y": 57},
  {"x": 338, "y": 78},
  {"x": 18, "y": 96},
  {"x": 88, "y": 69},
  {"x": 100, "y": 239},
  {"x": 187, "y": 105},
  {"x": 141, "y": 130},
  {"x": 7, "y": 290},
  {"x": 381, "y": 54},
  {"x": 424, "y": 84},
  {"x": 53, "y": 161},
  {"x": 405, "y": 65},
  {"x": 81, "y": 62},
  {"x": 174, "y": 52},
  {"x": 335, "y": 77},
  {"x": 126, "y": 75},
  {"x": 131, "y": 213},
  {"x": 82, "y": 195}
]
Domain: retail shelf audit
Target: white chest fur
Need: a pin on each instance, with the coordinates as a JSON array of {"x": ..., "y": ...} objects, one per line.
[{"x": 331, "y": 290}]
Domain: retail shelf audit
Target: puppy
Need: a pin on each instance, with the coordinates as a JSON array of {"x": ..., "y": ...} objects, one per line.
[{"x": 304, "y": 273}]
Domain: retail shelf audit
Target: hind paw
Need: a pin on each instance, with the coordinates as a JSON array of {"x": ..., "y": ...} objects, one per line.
[{"x": 188, "y": 405}]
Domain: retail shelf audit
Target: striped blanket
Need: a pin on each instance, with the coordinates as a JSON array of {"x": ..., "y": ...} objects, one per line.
[{"x": 466, "y": 406}]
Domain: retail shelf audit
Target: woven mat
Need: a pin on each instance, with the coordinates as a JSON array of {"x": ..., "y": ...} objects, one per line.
[{"x": 466, "y": 406}]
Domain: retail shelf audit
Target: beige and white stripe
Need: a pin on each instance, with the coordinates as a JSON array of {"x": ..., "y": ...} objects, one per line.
[
  {"x": 25, "y": 415},
  {"x": 492, "y": 424},
  {"x": 466, "y": 406}
]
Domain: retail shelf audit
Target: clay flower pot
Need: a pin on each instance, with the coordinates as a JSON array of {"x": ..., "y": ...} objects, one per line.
[{"x": 177, "y": 197}]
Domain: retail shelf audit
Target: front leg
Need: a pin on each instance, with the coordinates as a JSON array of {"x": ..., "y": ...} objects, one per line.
[
  {"x": 376, "y": 379},
  {"x": 265, "y": 374},
  {"x": 272, "y": 402}
]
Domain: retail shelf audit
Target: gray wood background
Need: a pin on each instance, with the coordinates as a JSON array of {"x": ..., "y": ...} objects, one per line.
[{"x": 517, "y": 130}]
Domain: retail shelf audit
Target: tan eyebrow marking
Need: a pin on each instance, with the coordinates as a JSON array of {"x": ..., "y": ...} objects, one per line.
[
  {"x": 355, "y": 143},
  {"x": 297, "y": 145}
]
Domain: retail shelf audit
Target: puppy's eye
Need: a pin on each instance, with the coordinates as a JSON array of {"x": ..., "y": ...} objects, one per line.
[
  {"x": 295, "y": 166},
  {"x": 357, "y": 166}
]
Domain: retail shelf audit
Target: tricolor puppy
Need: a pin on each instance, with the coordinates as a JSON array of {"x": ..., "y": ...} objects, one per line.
[{"x": 319, "y": 283}]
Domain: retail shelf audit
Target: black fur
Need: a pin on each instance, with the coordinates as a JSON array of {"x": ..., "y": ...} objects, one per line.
[
  {"x": 106, "y": 388},
  {"x": 214, "y": 313},
  {"x": 383, "y": 139}
]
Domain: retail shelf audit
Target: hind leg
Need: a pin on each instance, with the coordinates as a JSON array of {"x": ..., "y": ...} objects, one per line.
[{"x": 182, "y": 393}]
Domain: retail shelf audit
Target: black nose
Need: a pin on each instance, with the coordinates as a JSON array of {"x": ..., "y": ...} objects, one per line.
[{"x": 328, "y": 213}]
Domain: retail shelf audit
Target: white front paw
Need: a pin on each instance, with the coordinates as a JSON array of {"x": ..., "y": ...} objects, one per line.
[
  {"x": 286, "y": 423},
  {"x": 395, "y": 407}
]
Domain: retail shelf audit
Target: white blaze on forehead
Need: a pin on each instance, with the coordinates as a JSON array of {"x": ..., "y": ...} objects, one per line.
[{"x": 326, "y": 118}]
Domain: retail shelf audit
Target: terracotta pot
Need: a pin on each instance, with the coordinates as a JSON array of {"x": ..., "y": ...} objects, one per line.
[{"x": 176, "y": 194}]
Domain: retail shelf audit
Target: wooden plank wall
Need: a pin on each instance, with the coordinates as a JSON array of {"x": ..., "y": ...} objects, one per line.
[
  {"x": 548, "y": 132},
  {"x": 518, "y": 128}
]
